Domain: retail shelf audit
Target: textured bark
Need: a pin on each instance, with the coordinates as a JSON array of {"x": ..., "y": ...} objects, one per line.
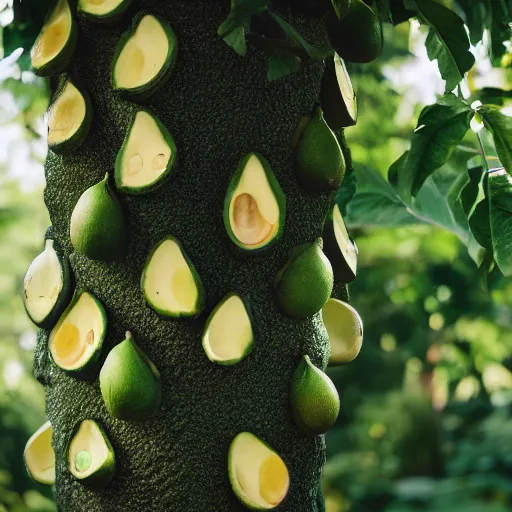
[{"x": 218, "y": 106}]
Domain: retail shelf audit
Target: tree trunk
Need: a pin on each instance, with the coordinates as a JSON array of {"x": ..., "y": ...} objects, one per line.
[{"x": 218, "y": 106}]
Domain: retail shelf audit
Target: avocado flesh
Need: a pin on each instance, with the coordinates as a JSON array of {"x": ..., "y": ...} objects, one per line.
[
  {"x": 101, "y": 8},
  {"x": 66, "y": 115},
  {"x": 170, "y": 285},
  {"x": 40, "y": 457},
  {"x": 143, "y": 56},
  {"x": 253, "y": 209},
  {"x": 345, "y": 329},
  {"x": 43, "y": 284},
  {"x": 78, "y": 336},
  {"x": 337, "y": 95},
  {"x": 145, "y": 156},
  {"x": 345, "y": 244},
  {"x": 90, "y": 454},
  {"x": 258, "y": 475},
  {"x": 54, "y": 37},
  {"x": 228, "y": 336}
]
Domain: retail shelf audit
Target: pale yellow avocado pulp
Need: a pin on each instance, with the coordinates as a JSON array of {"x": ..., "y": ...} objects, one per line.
[
  {"x": 99, "y": 7},
  {"x": 345, "y": 329},
  {"x": 40, "y": 457},
  {"x": 43, "y": 283},
  {"x": 54, "y": 35},
  {"x": 168, "y": 280},
  {"x": 258, "y": 475},
  {"x": 346, "y": 246},
  {"x": 88, "y": 450},
  {"x": 76, "y": 335},
  {"x": 143, "y": 56},
  {"x": 345, "y": 85},
  {"x": 66, "y": 115},
  {"x": 229, "y": 333},
  {"x": 146, "y": 154},
  {"x": 254, "y": 211}
]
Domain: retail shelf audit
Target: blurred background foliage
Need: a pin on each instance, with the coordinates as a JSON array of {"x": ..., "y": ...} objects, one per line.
[{"x": 426, "y": 420}]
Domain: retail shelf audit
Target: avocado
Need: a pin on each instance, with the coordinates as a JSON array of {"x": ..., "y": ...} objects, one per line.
[
  {"x": 47, "y": 287},
  {"x": 228, "y": 335},
  {"x": 130, "y": 383},
  {"x": 305, "y": 282},
  {"x": 170, "y": 283},
  {"x": 40, "y": 457},
  {"x": 55, "y": 45},
  {"x": 320, "y": 165},
  {"x": 98, "y": 228},
  {"x": 69, "y": 118},
  {"x": 358, "y": 37},
  {"x": 144, "y": 58},
  {"x": 337, "y": 95},
  {"x": 499, "y": 186},
  {"x": 259, "y": 477},
  {"x": 102, "y": 10},
  {"x": 339, "y": 247},
  {"x": 314, "y": 399},
  {"x": 90, "y": 456},
  {"x": 345, "y": 329},
  {"x": 147, "y": 156},
  {"x": 255, "y": 206},
  {"x": 76, "y": 341}
]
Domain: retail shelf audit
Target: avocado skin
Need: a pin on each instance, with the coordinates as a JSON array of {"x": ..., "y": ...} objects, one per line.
[
  {"x": 320, "y": 164},
  {"x": 218, "y": 107},
  {"x": 358, "y": 37}
]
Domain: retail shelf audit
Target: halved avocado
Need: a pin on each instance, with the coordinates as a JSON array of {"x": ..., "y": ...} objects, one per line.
[
  {"x": 144, "y": 58},
  {"x": 147, "y": 155},
  {"x": 90, "y": 456},
  {"x": 337, "y": 95},
  {"x": 76, "y": 341},
  {"x": 40, "y": 457},
  {"x": 170, "y": 283},
  {"x": 69, "y": 118},
  {"x": 345, "y": 329},
  {"x": 228, "y": 335},
  {"x": 103, "y": 10},
  {"x": 47, "y": 287},
  {"x": 255, "y": 206},
  {"x": 259, "y": 477},
  {"x": 56, "y": 43},
  {"x": 339, "y": 247}
]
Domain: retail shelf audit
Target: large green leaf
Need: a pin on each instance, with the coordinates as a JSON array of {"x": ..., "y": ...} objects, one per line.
[
  {"x": 441, "y": 127},
  {"x": 447, "y": 41},
  {"x": 376, "y": 202},
  {"x": 500, "y": 211},
  {"x": 500, "y": 126}
]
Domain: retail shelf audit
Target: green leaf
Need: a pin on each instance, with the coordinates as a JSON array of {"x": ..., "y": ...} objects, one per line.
[
  {"x": 500, "y": 126},
  {"x": 282, "y": 65},
  {"x": 500, "y": 211},
  {"x": 441, "y": 127},
  {"x": 234, "y": 28},
  {"x": 347, "y": 190},
  {"x": 341, "y": 7},
  {"x": 447, "y": 42},
  {"x": 236, "y": 40}
]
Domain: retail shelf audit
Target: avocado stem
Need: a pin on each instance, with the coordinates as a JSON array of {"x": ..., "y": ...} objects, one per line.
[{"x": 129, "y": 335}]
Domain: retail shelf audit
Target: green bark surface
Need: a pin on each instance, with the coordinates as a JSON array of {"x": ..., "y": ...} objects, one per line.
[{"x": 218, "y": 107}]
